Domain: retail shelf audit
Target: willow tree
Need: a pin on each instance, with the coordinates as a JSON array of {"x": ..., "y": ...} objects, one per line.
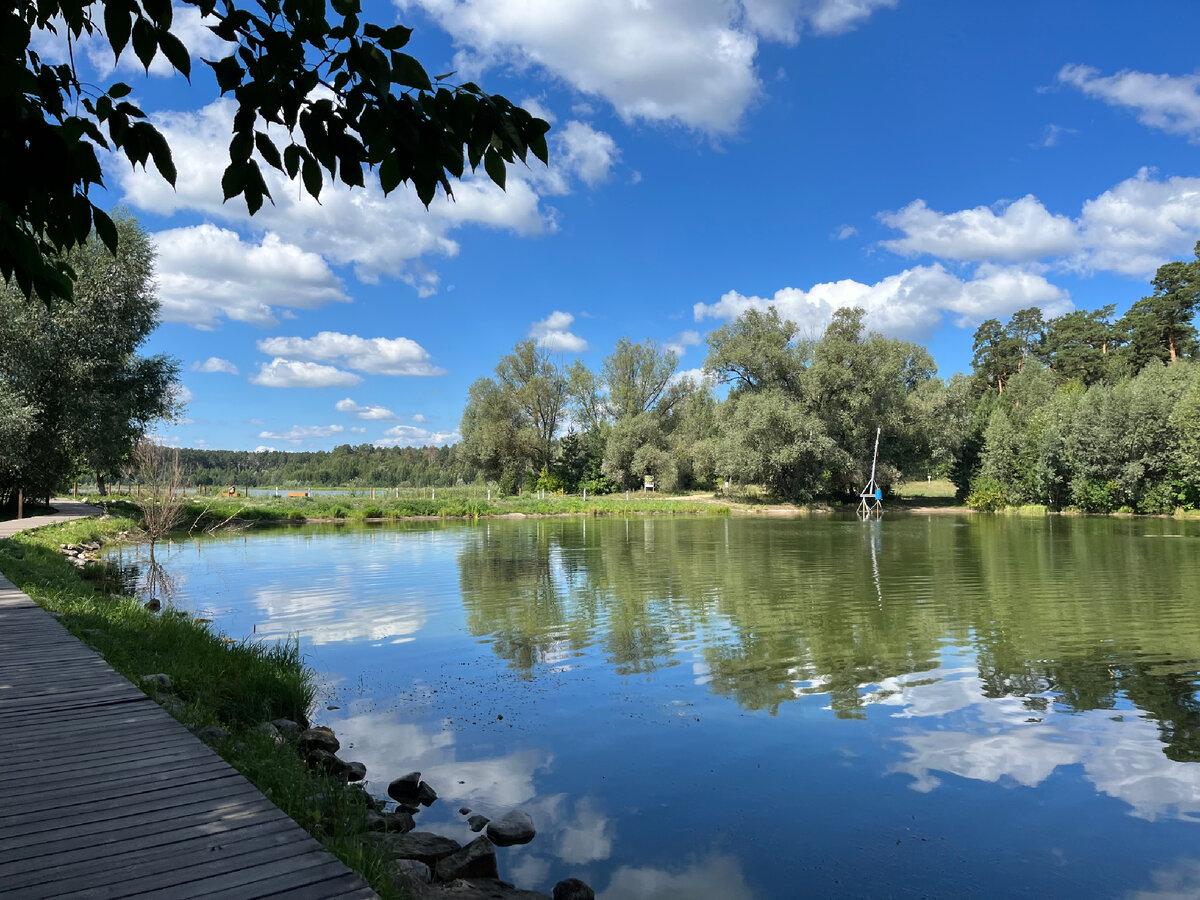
[{"x": 71, "y": 368}]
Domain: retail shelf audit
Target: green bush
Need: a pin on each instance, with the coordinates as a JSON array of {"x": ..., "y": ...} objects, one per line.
[
  {"x": 1095, "y": 496},
  {"x": 986, "y": 494}
]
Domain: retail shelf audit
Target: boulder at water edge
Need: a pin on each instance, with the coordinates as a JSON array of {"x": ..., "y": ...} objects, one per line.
[
  {"x": 476, "y": 860},
  {"x": 405, "y": 788},
  {"x": 319, "y": 738},
  {"x": 514, "y": 827},
  {"x": 423, "y": 845},
  {"x": 479, "y": 889},
  {"x": 573, "y": 889}
]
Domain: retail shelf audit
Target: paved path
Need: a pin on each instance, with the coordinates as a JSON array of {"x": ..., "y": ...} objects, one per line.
[{"x": 103, "y": 794}]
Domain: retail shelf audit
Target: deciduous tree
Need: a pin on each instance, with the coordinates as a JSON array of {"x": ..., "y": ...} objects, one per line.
[{"x": 319, "y": 91}]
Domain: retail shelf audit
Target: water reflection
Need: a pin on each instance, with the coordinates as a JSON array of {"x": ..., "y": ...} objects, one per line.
[{"x": 619, "y": 678}]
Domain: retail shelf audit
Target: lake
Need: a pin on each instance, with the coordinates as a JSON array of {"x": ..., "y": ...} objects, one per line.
[{"x": 750, "y": 707}]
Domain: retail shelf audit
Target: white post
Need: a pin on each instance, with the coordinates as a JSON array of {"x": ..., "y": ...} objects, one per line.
[
  {"x": 489, "y": 495},
  {"x": 585, "y": 493},
  {"x": 433, "y": 493}
]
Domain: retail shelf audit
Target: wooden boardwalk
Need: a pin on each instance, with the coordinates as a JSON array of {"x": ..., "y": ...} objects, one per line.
[{"x": 103, "y": 794}]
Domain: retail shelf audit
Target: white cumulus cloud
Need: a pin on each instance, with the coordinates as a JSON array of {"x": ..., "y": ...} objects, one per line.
[
  {"x": 685, "y": 62},
  {"x": 1132, "y": 229},
  {"x": 412, "y": 436},
  {"x": 1024, "y": 230},
  {"x": 290, "y": 373},
  {"x": 215, "y": 364},
  {"x": 910, "y": 305},
  {"x": 679, "y": 344},
  {"x": 375, "y": 413},
  {"x": 553, "y": 333},
  {"x": 1167, "y": 102},
  {"x": 205, "y": 272},
  {"x": 298, "y": 434},
  {"x": 376, "y": 356}
]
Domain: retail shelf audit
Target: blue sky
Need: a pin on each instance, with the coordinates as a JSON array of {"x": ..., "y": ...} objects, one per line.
[{"x": 938, "y": 162}]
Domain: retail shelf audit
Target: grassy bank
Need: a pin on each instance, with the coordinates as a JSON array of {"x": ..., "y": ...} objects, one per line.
[
  {"x": 205, "y": 511},
  {"x": 215, "y": 681}
]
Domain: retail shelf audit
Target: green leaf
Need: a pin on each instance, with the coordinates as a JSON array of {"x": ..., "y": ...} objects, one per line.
[
  {"x": 119, "y": 90},
  {"x": 493, "y": 163},
  {"x": 444, "y": 76},
  {"x": 346, "y": 7},
  {"x": 389, "y": 174},
  {"x": 105, "y": 228},
  {"x": 311, "y": 173},
  {"x": 395, "y": 37},
  {"x": 159, "y": 11},
  {"x": 229, "y": 73},
  {"x": 291, "y": 159},
  {"x": 117, "y": 23},
  {"x": 160, "y": 152},
  {"x": 241, "y": 146},
  {"x": 537, "y": 143},
  {"x": 145, "y": 45},
  {"x": 410, "y": 73},
  {"x": 176, "y": 53},
  {"x": 233, "y": 182},
  {"x": 267, "y": 150}
]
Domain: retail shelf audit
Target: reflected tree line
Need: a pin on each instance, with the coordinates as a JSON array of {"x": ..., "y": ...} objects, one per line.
[{"x": 1077, "y": 614}]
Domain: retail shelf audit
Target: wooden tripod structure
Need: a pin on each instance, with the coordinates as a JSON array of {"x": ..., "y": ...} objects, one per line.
[{"x": 870, "y": 500}]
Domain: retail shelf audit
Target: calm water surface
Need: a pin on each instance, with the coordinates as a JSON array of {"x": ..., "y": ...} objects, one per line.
[{"x": 742, "y": 708}]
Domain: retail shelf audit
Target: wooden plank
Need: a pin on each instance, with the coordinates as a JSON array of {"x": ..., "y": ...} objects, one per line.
[
  {"x": 193, "y": 821},
  {"x": 98, "y": 730},
  {"x": 135, "y": 831},
  {"x": 340, "y": 887},
  {"x": 33, "y": 871},
  {"x": 155, "y": 863},
  {"x": 275, "y": 877},
  {"x": 125, "y": 784},
  {"x": 103, "y": 794},
  {"x": 109, "y": 809}
]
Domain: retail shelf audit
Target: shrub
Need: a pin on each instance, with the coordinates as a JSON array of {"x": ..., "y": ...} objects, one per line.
[
  {"x": 986, "y": 494},
  {"x": 1095, "y": 496}
]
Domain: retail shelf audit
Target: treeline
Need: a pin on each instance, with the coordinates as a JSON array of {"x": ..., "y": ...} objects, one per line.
[
  {"x": 799, "y": 418},
  {"x": 1083, "y": 410},
  {"x": 344, "y": 466}
]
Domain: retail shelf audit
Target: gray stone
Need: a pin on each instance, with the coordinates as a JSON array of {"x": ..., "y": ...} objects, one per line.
[
  {"x": 154, "y": 604},
  {"x": 397, "y": 823},
  {"x": 479, "y": 889},
  {"x": 423, "y": 845},
  {"x": 514, "y": 827},
  {"x": 159, "y": 681},
  {"x": 267, "y": 730},
  {"x": 287, "y": 727},
  {"x": 319, "y": 738},
  {"x": 573, "y": 889},
  {"x": 355, "y": 771},
  {"x": 376, "y": 803},
  {"x": 406, "y": 872},
  {"x": 476, "y": 860},
  {"x": 425, "y": 794},
  {"x": 464, "y": 810},
  {"x": 174, "y": 706},
  {"x": 212, "y": 734},
  {"x": 477, "y": 822},
  {"x": 404, "y": 789}
]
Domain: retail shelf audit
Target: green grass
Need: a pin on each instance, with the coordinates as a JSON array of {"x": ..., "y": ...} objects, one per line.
[
  {"x": 215, "y": 681},
  {"x": 939, "y": 488},
  {"x": 449, "y": 505}
]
